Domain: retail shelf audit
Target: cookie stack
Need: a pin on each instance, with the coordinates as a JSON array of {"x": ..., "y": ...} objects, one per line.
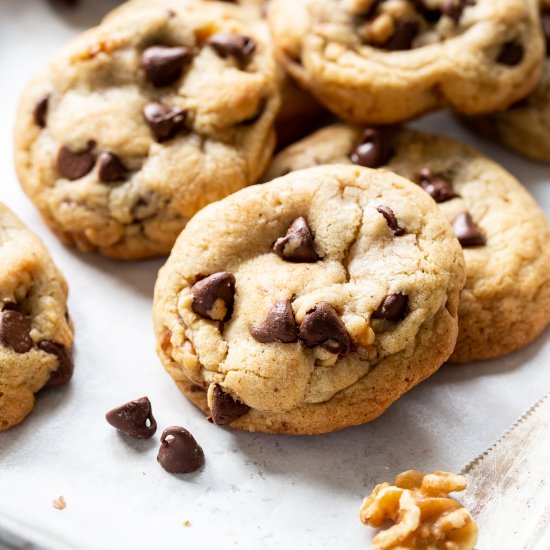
[{"x": 369, "y": 255}]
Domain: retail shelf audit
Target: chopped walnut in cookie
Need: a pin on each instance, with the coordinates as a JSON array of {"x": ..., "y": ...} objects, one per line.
[{"x": 425, "y": 516}]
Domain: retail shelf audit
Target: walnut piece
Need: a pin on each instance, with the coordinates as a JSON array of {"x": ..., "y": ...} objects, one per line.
[{"x": 425, "y": 517}]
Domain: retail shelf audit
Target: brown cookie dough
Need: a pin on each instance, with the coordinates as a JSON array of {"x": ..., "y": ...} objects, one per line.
[
  {"x": 142, "y": 121},
  {"x": 505, "y": 303},
  {"x": 35, "y": 333},
  {"x": 386, "y": 61},
  {"x": 310, "y": 303}
]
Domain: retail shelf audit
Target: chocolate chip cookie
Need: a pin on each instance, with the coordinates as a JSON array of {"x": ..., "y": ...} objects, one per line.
[
  {"x": 142, "y": 121},
  {"x": 35, "y": 333},
  {"x": 505, "y": 302},
  {"x": 310, "y": 303},
  {"x": 384, "y": 61},
  {"x": 524, "y": 127}
]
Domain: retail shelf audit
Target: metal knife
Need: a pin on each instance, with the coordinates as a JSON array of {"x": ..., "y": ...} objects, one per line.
[{"x": 508, "y": 490}]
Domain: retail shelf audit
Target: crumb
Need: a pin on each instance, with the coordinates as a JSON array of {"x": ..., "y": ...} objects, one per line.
[
  {"x": 187, "y": 523},
  {"x": 59, "y": 503}
]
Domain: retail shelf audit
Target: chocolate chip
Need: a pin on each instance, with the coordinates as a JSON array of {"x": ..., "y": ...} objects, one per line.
[
  {"x": 455, "y": 8},
  {"x": 74, "y": 165},
  {"x": 225, "y": 409},
  {"x": 430, "y": 14},
  {"x": 230, "y": 44},
  {"x": 179, "y": 451},
  {"x": 406, "y": 30},
  {"x": 214, "y": 296},
  {"x": 394, "y": 307},
  {"x": 165, "y": 122},
  {"x": 110, "y": 168},
  {"x": 15, "y": 331},
  {"x": 391, "y": 220},
  {"x": 437, "y": 187},
  {"x": 374, "y": 150},
  {"x": 510, "y": 54},
  {"x": 64, "y": 371},
  {"x": 163, "y": 65},
  {"x": 278, "y": 326},
  {"x": 297, "y": 245},
  {"x": 11, "y": 306},
  {"x": 41, "y": 111},
  {"x": 134, "y": 418},
  {"x": 545, "y": 21},
  {"x": 467, "y": 232},
  {"x": 322, "y": 326}
]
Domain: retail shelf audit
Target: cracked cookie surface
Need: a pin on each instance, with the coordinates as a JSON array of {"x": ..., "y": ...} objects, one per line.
[
  {"x": 142, "y": 121},
  {"x": 310, "y": 303},
  {"x": 35, "y": 334},
  {"x": 524, "y": 127},
  {"x": 386, "y": 61},
  {"x": 505, "y": 302}
]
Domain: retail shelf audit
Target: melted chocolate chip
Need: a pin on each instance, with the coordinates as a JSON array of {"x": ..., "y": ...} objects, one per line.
[
  {"x": 179, "y": 451},
  {"x": 110, "y": 168},
  {"x": 406, "y": 30},
  {"x": 455, "y": 8},
  {"x": 510, "y": 54},
  {"x": 165, "y": 122},
  {"x": 214, "y": 296},
  {"x": 15, "y": 331},
  {"x": 394, "y": 307},
  {"x": 224, "y": 408},
  {"x": 374, "y": 150},
  {"x": 322, "y": 326},
  {"x": 41, "y": 111},
  {"x": 236, "y": 45},
  {"x": 278, "y": 326},
  {"x": 297, "y": 245},
  {"x": 74, "y": 165},
  {"x": 467, "y": 232},
  {"x": 134, "y": 418},
  {"x": 163, "y": 65},
  {"x": 437, "y": 187},
  {"x": 545, "y": 21},
  {"x": 65, "y": 367},
  {"x": 391, "y": 220},
  {"x": 431, "y": 15}
]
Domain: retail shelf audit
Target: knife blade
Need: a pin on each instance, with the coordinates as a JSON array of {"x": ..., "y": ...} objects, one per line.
[{"x": 508, "y": 490}]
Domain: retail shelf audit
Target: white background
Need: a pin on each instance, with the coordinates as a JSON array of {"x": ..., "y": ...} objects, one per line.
[{"x": 256, "y": 491}]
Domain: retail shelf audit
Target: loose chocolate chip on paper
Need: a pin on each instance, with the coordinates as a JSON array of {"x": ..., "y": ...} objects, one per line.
[
  {"x": 179, "y": 451},
  {"x": 322, "y": 326},
  {"x": 391, "y": 220},
  {"x": 74, "y": 165},
  {"x": 278, "y": 326},
  {"x": 375, "y": 148},
  {"x": 439, "y": 188},
  {"x": 394, "y": 307},
  {"x": 406, "y": 30},
  {"x": 110, "y": 168},
  {"x": 297, "y": 245},
  {"x": 214, "y": 296},
  {"x": 455, "y": 8},
  {"x": 65, "y": 367},
  {"x": 231, "y": 44},
  {"x": 165, "y": 122},
  {"x": 467, "y": 232},
  {"x": 510, "y": 54},
  {"x": 41, "y": 111},
  {"x": 163, "y": 65},
  {"x": 134, "y": 418},
  {"x": 224, "y": 408},
  {"x": 15, "y": 331}
]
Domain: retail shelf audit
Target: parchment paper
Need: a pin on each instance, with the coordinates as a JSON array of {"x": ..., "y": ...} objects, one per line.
[{"x": 256, "y": 491}]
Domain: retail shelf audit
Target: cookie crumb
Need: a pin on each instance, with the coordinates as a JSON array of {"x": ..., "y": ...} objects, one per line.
[
  {"x": 187, "y": 523},
  {"x": 59, "y": 503}
]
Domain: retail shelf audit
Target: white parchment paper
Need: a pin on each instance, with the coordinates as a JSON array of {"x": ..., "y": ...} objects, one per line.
[{"x": 256, "y": 491}]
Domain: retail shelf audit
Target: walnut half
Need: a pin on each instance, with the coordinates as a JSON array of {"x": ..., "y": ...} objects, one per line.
[{"x": 425, "y": 517}]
